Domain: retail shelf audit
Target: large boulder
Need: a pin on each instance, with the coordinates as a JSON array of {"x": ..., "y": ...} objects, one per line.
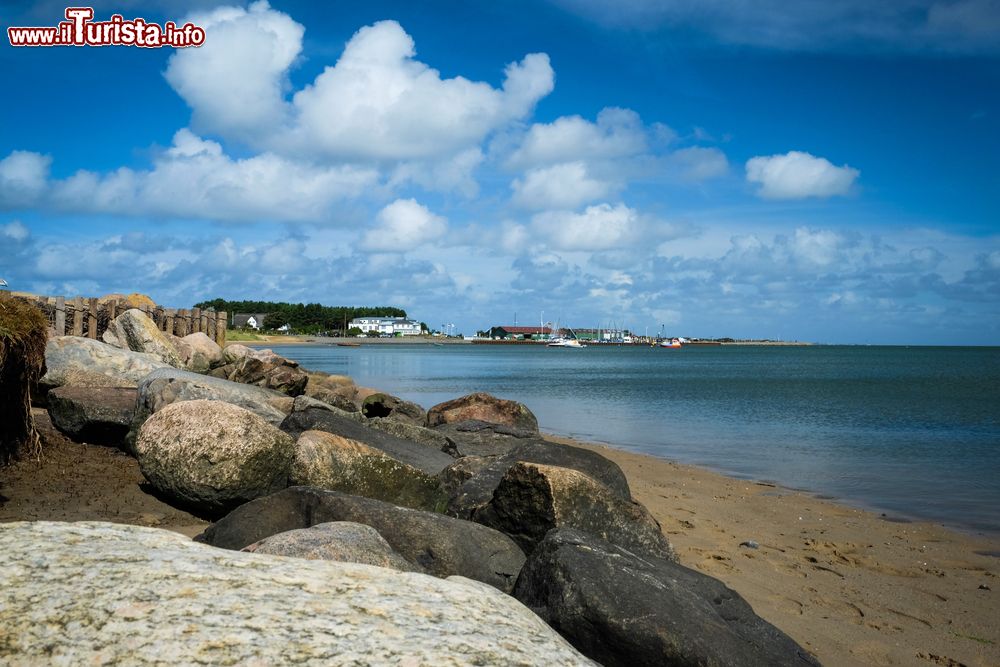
[
  {"x": 83, "y": 362},
  {"x": 342, "y": 541},
  {"x": 205, "y": 353},
  {"x": 133, "y": 330},
  {"x": 336, "y": 390},
  {"x": 98, "y": 593},
  {"x": 100, "y": 415},
  {"x": 441, "y": 545},
  {"x": 478, "y": 489},
  {"x": 170, "y": 385},
  {"x": 483, "y": 407},
  {"x": 425, "y": 436},
  {"x": 263, "y": 368},
  {"x": 339, "y": 423},
  {"x": 474, "y": 437},
  {"x": 533, "y": 499},
  {"x": 625, "y": 610},
  {"x": 337, "y": 463},
  {"x": 213, "y": 456},
  {"x": 387, "y": 406}
]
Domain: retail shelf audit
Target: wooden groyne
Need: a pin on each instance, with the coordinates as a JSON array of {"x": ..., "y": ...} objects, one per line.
[{"x": 90, "y": 317}]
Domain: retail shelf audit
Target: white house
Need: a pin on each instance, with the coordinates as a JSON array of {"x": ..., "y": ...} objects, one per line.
[{"x": 387, "y": 325}]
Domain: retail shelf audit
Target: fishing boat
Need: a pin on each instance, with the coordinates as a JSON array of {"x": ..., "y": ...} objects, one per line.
[{"x": 672, "y": 344}]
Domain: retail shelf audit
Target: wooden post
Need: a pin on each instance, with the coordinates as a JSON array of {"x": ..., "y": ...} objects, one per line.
[
  {"x": 168, "y": 317},
  {"x": 220, "y": 328},
  {"x": 78, "y": 316},
  {"x": 210, "y": 329},
  {"x": 112, "y": 307},
  {"x": 182, "y": 323},
  {"x": 60, "y": 316},
  {"x": 195, "y": 320},
  {"x": 92, "y": 320},
  {"x": 204, "y": 322}
]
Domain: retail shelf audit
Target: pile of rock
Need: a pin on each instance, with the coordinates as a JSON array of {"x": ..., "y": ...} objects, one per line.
[{"x": 310, "y": 466}]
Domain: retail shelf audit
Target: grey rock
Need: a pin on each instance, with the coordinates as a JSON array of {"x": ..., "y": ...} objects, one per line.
[
  {"x": 98, "y": 593},
  {"x": 483, "y": 407},
  {"x": 234, "y": 352},
  {"x": 205, "y": 352},
  {"x": 478, "y": 490},
  {"x": 533, "y": 499},
  {"x": 411, "y": 453},
  {"x": 170, "y": 385},
  {"x": 264, "y": 368},
  {"x": 622, "y": 609},
  {"x": 213, "y": 456},
  {"x": 474, "y": 437},
  {"x": 387, "y": 406},
  {"x": 461, "y": 471},
  {"x": 342, "y": 541},
  {"x": 337, "y": 463},
  {"x": 82, "y": 362},
  {"x": 134, "y": 330},
  {"x": 425, "y": 436},
  {"x": 100, "y": 415},
  {"x": 441, "y": 545}
]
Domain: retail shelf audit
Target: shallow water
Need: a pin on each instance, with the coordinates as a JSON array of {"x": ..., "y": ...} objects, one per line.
[{"x": 911, "y": 431}]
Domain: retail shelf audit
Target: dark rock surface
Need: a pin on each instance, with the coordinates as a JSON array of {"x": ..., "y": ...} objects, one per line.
[
  {"x": 100, "y": 415},
  {"x": 483, "y": 407},
  {"x": 478, "y": 489},
  {"x": 475, "y": 437},
  {"x": 625, "y": 610},
  {"x": 387, "y": 406},
  {"x": 411, "y": 453},
  {"x": 441, "y": 545},
  {"x": 533, "y": 499}
]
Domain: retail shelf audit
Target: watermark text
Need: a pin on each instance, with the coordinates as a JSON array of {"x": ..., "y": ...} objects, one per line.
[{"x": 80, "y": 29}]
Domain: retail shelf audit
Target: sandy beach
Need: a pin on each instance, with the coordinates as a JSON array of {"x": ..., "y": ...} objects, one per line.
[{"x": 849, "y": 585}]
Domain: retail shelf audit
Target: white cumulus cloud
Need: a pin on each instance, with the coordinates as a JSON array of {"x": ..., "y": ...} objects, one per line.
[
  {"x": 23, "y": 177},
  {"x": 598, "y": 227},
  {"x": 798, "y": 175},
  {"x": 561, "y": 186},
  {"x": 402, "y": 226},
  {"x": 617, "y": 133}
]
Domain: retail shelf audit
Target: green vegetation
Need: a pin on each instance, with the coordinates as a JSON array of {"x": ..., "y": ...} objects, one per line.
[
  {"x": 239, "y": 335},
  {"x": 23, "y": 335},
  {"x": 308, "y": 318}
]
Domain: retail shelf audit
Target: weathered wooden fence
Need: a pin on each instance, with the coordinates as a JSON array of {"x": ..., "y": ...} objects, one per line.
[{"x": 90, "y": 317}]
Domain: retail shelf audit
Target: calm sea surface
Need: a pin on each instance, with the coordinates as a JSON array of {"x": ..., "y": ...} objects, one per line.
[{"x": 910, "y": 431}]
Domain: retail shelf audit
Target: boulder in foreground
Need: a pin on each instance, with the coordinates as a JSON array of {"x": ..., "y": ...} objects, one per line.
[
  {"x": 533, "y": 499},
  {"x": 387, "y": 406},
  {"x": 82, "y": 362},
  {"x": 100, "y": 415},
  {"x": 99, "y": 593},
  {"x": 213, "y": 456},
  {"x": 626, "y": 610},
  {"x": 337, "y": 463},
  {"x": 441, "y": 545},
  {"x": 483, "y": 407},
  {"x": 342, "y": 541}
]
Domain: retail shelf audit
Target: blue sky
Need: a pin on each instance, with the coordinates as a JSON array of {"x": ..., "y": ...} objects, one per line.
[{"x": 825, "y": 171}]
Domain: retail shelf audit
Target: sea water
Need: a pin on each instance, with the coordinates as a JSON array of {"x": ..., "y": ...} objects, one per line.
[{"x": 910, "y": 431}]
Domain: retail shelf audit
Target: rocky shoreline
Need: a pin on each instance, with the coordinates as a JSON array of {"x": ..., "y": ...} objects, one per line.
[{"x": 293, "y": 465}]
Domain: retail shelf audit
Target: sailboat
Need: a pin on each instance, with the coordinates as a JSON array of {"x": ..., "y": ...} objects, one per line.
[{"x": 565, "y": 341}]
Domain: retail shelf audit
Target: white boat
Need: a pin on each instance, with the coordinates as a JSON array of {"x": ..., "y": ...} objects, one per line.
[
  {"x": 565, "y": 342},
  {"x": 673, "y": 344}
]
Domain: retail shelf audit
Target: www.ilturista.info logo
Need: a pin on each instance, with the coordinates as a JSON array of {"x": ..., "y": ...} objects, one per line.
[{"x": 79, "y": 29}]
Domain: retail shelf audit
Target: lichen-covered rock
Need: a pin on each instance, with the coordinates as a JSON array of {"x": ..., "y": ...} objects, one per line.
[
  {"x": 213, "y": 456},
  {"x": 337, "y": 463},
  {"x": 342, "y": 541},
  {"x": 234, "y": 352},
  {"x": 82, "y": 362},
  {"x": 98, "y": 593},
  {"x": 387, "y": 406},
  {"x": 262, "y": 368},
  {"x": 478, "y": 489},
  {"x": 205, "y": 352},
  {"x": 533, "y": 499},
  {"x": 354, "y": 427},
  {"x": 133, "y": 330},
  {"x": 474, "y": 437},
  {"x": 441, "y": 545},
  {"x": 483, "y": 407},
  {"x": 624, "y": 610},
  {"x": 100, "y": 415},
  {"x": 170, "y": 385},
  {"x": 425, "y": 436}
]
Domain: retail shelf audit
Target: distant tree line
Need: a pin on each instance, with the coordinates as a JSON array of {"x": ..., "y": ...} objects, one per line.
[{"x": 310, "y": 318}]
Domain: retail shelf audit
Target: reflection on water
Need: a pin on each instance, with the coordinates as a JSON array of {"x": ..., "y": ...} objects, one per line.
[{"x": 914, "y": 431}]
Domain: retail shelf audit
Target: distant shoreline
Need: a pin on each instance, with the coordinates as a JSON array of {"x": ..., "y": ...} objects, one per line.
[{"x": 420, "y": 340}]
